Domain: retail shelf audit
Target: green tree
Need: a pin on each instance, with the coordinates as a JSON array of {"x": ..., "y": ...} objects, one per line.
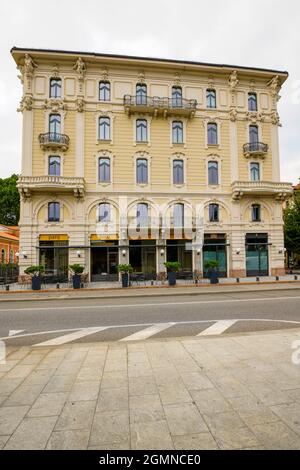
[
  {"x": 292, "y": 225},
  {"x": 9, "y": 201}
]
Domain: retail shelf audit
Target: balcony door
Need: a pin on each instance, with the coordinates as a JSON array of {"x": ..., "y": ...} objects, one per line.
[{"x": 54, "y": 124}]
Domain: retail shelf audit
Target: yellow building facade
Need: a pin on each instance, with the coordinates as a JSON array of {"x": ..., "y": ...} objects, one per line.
[{"x": 139, "y": 160}]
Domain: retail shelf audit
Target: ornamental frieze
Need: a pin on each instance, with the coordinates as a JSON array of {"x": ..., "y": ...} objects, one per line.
[{"x": 54, "y": 105}]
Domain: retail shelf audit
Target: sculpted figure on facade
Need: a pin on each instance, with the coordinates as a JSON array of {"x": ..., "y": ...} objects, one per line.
[
  {"x": 80, "y": 68},
  {"x": 233, "y": 80}
]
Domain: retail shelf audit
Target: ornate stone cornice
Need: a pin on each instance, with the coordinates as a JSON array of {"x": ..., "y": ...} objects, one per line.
[{"x": 54, "y": 105}]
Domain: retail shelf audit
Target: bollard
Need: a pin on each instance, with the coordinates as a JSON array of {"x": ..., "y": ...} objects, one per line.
[
  {"x": 238, "y": 279},
  {"x": 277, "y": 278},
  {"x": 152, "y": 283},
  {"x": 296, "y": 278},
  {"x": 257, "y": 279},
  {"x": 7, "y": 287},
  {"x": 57, "y": 286}
]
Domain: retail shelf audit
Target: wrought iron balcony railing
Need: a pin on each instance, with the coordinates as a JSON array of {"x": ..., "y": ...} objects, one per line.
[
  {"x": 255, "y": 148},
  {"x": 54, "y": 140},
  {"x": 155, "y": 104}
]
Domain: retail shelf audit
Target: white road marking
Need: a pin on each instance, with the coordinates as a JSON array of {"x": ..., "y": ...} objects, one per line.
[
  {"x": 14, "y": 332},
  {"x": 71, "y": 337},
  {"x": 192, "y": 322},
  {"x": 162, "y": 304},
  {"x": 217, "y": 328},
  {"x": 147, "y": 332}
]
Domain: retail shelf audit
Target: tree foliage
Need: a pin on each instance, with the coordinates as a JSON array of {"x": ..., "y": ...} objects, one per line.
[
  {"x": 9, "y": 201},
  {"x": 292, "y": 225}
]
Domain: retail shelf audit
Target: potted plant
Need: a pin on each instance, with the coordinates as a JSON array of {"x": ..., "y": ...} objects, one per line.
[
  {"x": 172, "y": 268},
  {"x": 212, "y": 268},
  {"x": 125, "y": 269},
  {"x": 35, "y": 272},
  {"x": 76, "y": 270}
]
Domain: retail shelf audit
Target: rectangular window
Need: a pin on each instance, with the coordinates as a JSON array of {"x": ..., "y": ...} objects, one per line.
[
  {"x": 252, "y": 102},
  {"x": 211, "y": 100},
  {"x": 104, "y": 128},
  {"x": 55, "y": 88},
  {"x": 213, "y": 212},
  {"x": 142, "y": 171},
  {"x": 54, "y": 166},
  {"x": 142, "y": 215},
  {"x": 176, "y": 97},
  {"x": 177, "y": 132},
  {"x": 104, "y": 212},
  {"x": 178, "y": 215},
  {"x": 254, "y": 171},
  {"x": 213, "y": 173},
  {"x": 141, "y": 94},
  {"x": 54, "y": 124},
  {"x": 141, "y": 130},
  {"x": 104, "y": 91},
  {"x": 212, "y": 133},
  {"x": 255, "y": 209},
  {"x": 53, "y": 212},
  {"x": 178, "y": 172},
  {"x": 104, "y": 170}
]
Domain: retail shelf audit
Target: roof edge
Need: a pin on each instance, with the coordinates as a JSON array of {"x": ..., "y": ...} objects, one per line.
[{"x": 150, "y": 59}]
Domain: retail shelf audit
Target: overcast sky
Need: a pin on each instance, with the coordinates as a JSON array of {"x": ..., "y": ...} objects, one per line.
[{"x": 261, "y": 33}]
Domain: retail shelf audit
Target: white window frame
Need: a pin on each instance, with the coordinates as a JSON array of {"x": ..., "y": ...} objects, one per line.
[{"x": 145, "y": 143}]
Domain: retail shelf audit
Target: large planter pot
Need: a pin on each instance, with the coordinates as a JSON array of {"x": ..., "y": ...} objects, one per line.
[
  {"x": 172, "y": 278},
  {"x": 36, "y": 282},
  {"x": 213, "y": 276},
  {"x": 125, "y": 279},
  {"x": 76, "y": 281}
]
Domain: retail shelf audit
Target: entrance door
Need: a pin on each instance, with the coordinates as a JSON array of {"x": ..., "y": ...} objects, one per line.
[
  {"x": 215, "y": 248},
  {"x": 257, "y": 255},
  {"x": 104, "y": 261}
]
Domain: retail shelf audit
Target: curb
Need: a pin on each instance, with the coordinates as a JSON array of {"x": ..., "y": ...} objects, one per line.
[{"x": 172, "y": 292}]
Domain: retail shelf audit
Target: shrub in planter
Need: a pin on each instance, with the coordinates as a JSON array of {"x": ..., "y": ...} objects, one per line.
[
  {"x": 172, "y": 268},
  {"x": 76, "y": 270},
  {"x": 125, "y": 269},
  {"x": 35, "y": 271},
  {"x": 212, "y": 268}
]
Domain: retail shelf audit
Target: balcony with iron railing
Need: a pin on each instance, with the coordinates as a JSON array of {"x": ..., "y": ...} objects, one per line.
[
  {"x": 156, "y": 105},
  {"x": 29, "y": 184},
  {"x": 54, "y": 140},
  {"x": 255, "y": 149},
  {"x": 242, "y": 189}
]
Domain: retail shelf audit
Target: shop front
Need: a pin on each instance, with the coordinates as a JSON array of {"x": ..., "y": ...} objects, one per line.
[
  {"x": 215, "y": 248},
  {"x": 180, "y": 250},
  {"x": 257, "y": 254},
  {"x": 104, "y": 260},
  {"x": 54, "y": 257},
  {"x": 142, "y": 257}
]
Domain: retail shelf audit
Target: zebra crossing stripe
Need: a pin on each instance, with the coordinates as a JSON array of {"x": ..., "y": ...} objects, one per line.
[
  {"x": 217, "y": 328},
  {"x": 147, "y": 332},
  {"x": 71, "y": 336}
]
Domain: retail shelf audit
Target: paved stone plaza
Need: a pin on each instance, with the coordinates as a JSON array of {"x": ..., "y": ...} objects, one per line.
[{"x": 230, "y": 392}]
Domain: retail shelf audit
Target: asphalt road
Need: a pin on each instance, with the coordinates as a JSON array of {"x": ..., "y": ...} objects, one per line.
[{"x": 128, "y": 319}]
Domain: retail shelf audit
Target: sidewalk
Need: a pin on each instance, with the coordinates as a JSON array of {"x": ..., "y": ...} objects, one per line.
[
  {"x": 151, "y": 291},
  {"x": 230, "y": 392}
]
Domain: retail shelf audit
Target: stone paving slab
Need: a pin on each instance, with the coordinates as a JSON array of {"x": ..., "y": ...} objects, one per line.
[{"x": 236, "y": 392}]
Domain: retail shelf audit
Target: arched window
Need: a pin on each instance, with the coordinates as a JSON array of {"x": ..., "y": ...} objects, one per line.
[
  {"x": 252, "y": 101},
  {"x": 55, "y": 88},
  {"x": 212, "y": 133},
  {"x": 53, "y": 212},
  {"x": 176, "y": 97},
  {"x": 211, "y": 98},
  {"x": 178, "y": 215},
  {"x": 178, "y": 172},
  {"x": 177, "y": 132},
  {"x": 213, "y": 212},
  {"x": 104, "y": 170},
  {"x": 253, "y": 134},
  {"x": 3, "y": 258},
  {"x": 213, "y": 173},
  {"x": 254, "y": 171},
  {"x": 142, "y": 171},
  {"x": 141, "y": 130},
  {"x": 55, "y": 123},
  {"x": 141, "y": 93},
  {"x": 142, "y": 214},
  {"x": 104, "y": 128},
  {"x": 54, "y": 166},
  {"x": 255, "y": 213},
  {"x": 104, "y": 91},
  {"x": 104, "y": 212}
]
